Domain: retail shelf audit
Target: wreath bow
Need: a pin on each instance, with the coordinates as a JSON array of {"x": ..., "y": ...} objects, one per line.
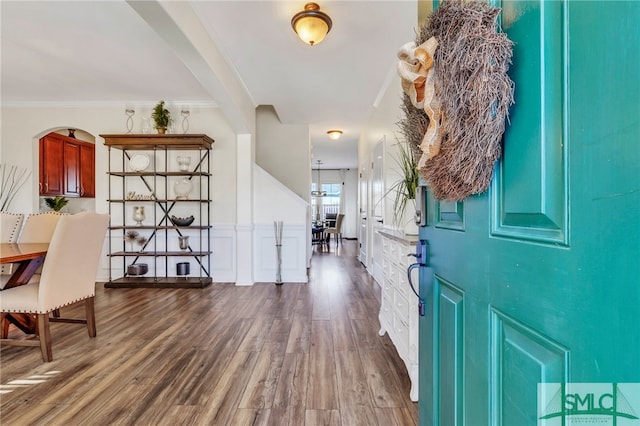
[{"x": 415, "y": 67}]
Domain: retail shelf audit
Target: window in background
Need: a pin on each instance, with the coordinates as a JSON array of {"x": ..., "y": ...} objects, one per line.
[
  {"x": 331, "y": 201},
  {"x": 329, "y": 204}
]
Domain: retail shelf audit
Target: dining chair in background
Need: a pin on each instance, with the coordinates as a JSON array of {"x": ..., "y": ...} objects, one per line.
[
  {"x": 337, "y": 230},
  {"x": 9, "y": 229},
  {"x": 68, "y": 277},
  {"x": 39, "y": 227}
]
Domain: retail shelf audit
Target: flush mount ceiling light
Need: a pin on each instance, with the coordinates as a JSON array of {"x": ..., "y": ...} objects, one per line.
[
  {"x": 334, "y": 134},
  {"x": 311, "y": 24}
]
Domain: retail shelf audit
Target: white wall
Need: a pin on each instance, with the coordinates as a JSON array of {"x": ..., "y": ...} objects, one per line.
[
  {"x": 278, "y": 203},
  {"x": 284, "y": 150},
  {"x": 382, "y": 127}
]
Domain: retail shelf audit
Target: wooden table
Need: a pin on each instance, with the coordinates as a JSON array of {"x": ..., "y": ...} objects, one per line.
[{"x": 28, "y": 257}]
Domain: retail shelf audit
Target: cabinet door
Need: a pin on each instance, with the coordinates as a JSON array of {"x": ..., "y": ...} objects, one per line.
[
  {"x": 41, "y": 167},
  {"x": 71, "y": 169},
  {"x": 51, "y": 148},
  {"x": 87, "y": 171}
]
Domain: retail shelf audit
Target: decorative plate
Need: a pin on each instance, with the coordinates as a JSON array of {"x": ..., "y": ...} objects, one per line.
[{"x": 139, "y": 162}]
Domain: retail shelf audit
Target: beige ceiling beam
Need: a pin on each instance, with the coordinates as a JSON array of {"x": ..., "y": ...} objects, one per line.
[{"x": 178, "y": 25}]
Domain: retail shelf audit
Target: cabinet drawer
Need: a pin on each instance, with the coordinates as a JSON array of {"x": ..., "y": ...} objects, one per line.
[
  {"x": 388, "y": 270},
  {"x": 387, "y": 293},
  {"x": 386, "y": 316},
  {"x": 401, "y": 336},
  {"x": 393, "y": 251},
  {"x": 401, "y": 307},
  {"x": 402, "y": 284},
  {"x": 386, "y": 247}
]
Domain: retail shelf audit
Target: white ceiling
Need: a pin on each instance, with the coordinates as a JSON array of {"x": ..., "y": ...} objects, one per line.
[{"x": 105, "y": 52}]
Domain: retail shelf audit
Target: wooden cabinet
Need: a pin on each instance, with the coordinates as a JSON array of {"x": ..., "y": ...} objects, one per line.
[
  {"x": 148, "y": 188},
  {"x": 51, "y": 165},
  {"x": 67, "y": 166},
  {"x": 87, "y": 170},
  {"x": 71, "y": 169},
  {"x": 399, "y": 306}
]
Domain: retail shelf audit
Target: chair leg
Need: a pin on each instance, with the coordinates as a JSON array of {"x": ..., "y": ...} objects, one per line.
[
  {"x": 4, "y": 325},
  {"x": 44, "y": 334},
  {"x": 91, "y": 317}
]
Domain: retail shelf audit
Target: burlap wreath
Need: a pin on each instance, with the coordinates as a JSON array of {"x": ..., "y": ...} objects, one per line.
[{"x": 472, "y": 97}]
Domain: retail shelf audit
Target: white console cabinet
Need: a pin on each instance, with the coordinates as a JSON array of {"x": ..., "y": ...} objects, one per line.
[{"x": 399, "y": 308}]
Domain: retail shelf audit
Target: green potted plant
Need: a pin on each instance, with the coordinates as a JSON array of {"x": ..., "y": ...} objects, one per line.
[
  {"x": 162, "y": 117},
  {"x": 56, "y": 203},
  {"x": 405, "y": 188}
]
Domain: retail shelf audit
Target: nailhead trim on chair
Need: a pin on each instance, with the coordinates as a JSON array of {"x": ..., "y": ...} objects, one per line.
[
  {"x": 13, "y": 235},
  {"x": 25, "y": 311}
]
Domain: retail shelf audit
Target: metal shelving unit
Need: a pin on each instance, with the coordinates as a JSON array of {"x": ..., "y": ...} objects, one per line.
[{"x": 161, "y": 250}]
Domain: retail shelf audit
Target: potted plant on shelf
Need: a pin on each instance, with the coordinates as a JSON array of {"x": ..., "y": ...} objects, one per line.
[
  {"x": 405, "y": 189},
  {"x": 56, "y": 203},
  {"x": 162, "y": 117}
]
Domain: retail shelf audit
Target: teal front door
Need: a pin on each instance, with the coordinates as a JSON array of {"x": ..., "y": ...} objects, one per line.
[{"x": 538, "y": 280}]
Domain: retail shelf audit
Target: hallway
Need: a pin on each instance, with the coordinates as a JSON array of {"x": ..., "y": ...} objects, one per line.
[{"x": 293, "y": 354}]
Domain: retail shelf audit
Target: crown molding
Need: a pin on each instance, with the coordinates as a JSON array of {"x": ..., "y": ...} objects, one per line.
[{"x": 107, "y": 104}]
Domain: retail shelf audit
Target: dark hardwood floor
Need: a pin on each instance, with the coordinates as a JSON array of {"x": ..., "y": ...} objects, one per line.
[{"x": 296, "y": 354}]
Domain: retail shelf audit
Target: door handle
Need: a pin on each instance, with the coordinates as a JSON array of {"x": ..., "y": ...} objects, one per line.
[{"x": 421, "y": 255}]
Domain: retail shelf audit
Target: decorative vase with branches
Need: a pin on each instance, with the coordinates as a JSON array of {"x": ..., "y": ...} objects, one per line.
[
  {"x": 404, "y": 188},
  {"x": 162, "y": 117},
  {"x": 12, "y": 179}
]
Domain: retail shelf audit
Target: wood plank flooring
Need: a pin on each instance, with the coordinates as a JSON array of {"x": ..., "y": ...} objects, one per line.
[{"x": 296, "y": 354}]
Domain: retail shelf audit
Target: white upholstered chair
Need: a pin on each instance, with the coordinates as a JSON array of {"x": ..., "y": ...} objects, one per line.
[
  {"x": 9, "y": 229},
  {"x": 337, "y": 230},
  {"x": 10, "y": 226},
  {"x": 68, "y": 276},
  {"x": 39, "y": 227}
]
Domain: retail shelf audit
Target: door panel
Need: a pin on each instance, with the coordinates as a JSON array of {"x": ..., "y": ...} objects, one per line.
[
  {"x": 521, "y": 356},
  {"x": 538, "y": 280},
  {"x": 71, "y": 169},
  {"x": 52, "y": 165},
  {"x": 450, "y": 325},
  {"x": 87, "y": 171},
  {"x": 364, "y": 208},
  {"x": 450, "y": 215},
  {"x": 529, "y": 199}
]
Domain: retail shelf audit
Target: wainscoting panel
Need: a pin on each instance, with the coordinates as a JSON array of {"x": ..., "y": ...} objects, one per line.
[
  {"x": 294, "y": 264},
  {"x": 223, "y": 258}
]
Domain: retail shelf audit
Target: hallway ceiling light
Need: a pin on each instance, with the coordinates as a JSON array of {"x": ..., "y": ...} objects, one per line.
[
  {"x": 334, "y": 134},
  {"x": 311, "y": 24}
]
